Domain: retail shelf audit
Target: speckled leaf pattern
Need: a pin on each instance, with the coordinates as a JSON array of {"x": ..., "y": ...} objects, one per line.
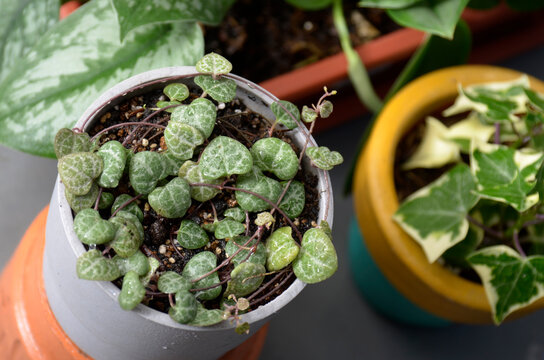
[
  {"x": 106, "y": 200},
  {"x": 190, "y": 171},
  {"x": 264, "y": 218},
  {"x": 206, "y": 317},
  {"x": 182, "y": 139},
  {"x": 176, "y": 91},
  {"x": 185, "y": 309},
  {"x": 326, "y": 109},
  {"x": 172, "y": 163},
  {"x": 276, "y": 156},
  {"x": 228, "y": 228},
  {"x": 256, "y": 182},
  {"x": 127, "y": 238},
  {"x": 323, "y": 158},
  {"x": 213, "y": 64},
  {"x": 80, "y": 202},
  {"x": 281, "y": 249},
  {"x": 74, "y": 62},
  {"x": 132, "y": 292},
  {"x": 294, "y": 200},
  {"x": 308, "y": 114},
  {"x": 288, "y": 115},
  {"x": 132, "y": 208},
  {"x": 93, "y": 266},
  {"x": 224, "y": 157},
  {"x": 146, "y": 168},
  {"x": 172, "y": 200},
  {"x": 133, "y": 219},
  {"x": 200, "y": 114},
  {"x": 199, "y": 265},
  {"x": 90, "y": 228},
  {"x": 191, "y": 235},
  {"x": 78, "y": 171},
  {"x": 114, "y": 156},
  {"x": 317, "y": 260},
  {"x": 235, "y": 213},
  {"x": 136, "y": 262},
  {"x": 170, "y": 282},
  {"x": 153, "y": 266},
  {"x": 67, "y": 142},
  {"x": 161, "y": 104},
  {"x": 245, "y": 279},
  {"x": 258, "y": 257},
  {"x": 221, "y": 90}
]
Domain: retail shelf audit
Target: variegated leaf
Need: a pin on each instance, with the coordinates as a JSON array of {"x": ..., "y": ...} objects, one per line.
[
  {"x": 170, "y": 282},
  {"x": 235, "y": 213},
  {"x": 200, "y": 114},
  {"x": 137, "y": 262},
  {"x": 190, "y": 171},
  {"x": 67, "y": 142},
  {"x": 162, "y": 104},
  {"x": 316, "y": 260},
  {"x": 145, "y": 170},
  {"x": 78, "y": 171},
  {"x": 281, "y": 249},
  {"x": 287, "y": 113},
  {"x": 132, "y": 292},
  {"x": 80, "y": 202},
  {"x": 128, "y": 237},
  {"x": 256, "y": 182},
  {"x": 206, "y": 317},
  {"x": 176, "y": 91},
  {"x": 308, "y": 114},
  {"x": 114, "y": 156},
  {"x": 172, "y": 163},
  {"x": 93, "y": 266},
  {"x": 191, "y": 235},
  {"x": 246, "y": 254},
  {"x": 185, "y": 309},
  {"x": 326, "y": 108},
  {"x": 228, "y": 228},
  {"x": 182, "y": 139},
  {"x": 276, "y": 156},
  {"x": 132, "y": 207},
  {"x": 128, "y": 216},
  {"x": 106, "y": 200},
  {"x": 201, "y": 264},
  {"x": 153, "y": 266},
  {"x": 323, "y": 158},
  {"x": 90, "y": 228},
  {"x": 294, "y": 200},
  {"x": 172, "y": 200},
  {"x": 245, "y": 279},
  {"x": 213, "y": 64},
  {"x": 224, "y": 157},
  {"x": 264, "y": 218},
  {"x": 221, "y": 90}
]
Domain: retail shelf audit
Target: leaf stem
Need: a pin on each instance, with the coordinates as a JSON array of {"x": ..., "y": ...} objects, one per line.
[
  {"x": 517, "y": 245},
  {"x": 125, "y": 204},
  {"x": 98, "y": 198},
  {"x": 487, "y": 229},
  {"x": 125, "y": 124}
]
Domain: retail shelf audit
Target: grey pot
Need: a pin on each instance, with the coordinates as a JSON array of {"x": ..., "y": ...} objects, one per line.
[{"x": 88, "y": 311}]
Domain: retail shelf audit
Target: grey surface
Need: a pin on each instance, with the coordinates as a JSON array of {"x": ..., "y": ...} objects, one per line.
[{"x": 328, "y": 320}]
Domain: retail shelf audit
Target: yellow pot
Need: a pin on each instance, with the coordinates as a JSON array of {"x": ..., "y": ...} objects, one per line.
[{"x": 430, "y": 286}]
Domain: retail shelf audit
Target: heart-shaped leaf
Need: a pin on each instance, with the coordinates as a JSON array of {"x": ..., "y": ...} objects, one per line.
[
  {"x": 317, "y": 258},
  {"x": 256, "y": 182},
  {"x": 114, "y": 156},
  {"x": 80, "y": 202},
  {"x": 154, "y": 264},
  {"x": 176, "y": 91},
  {"x": 224, "y": 157},
  {"x": 213, "y": 64},
  {"x": 185, "y": 309},
  {"x": 172, "y": 200},
  {"x": 191, "y": 235},
  {"x": 387, "y": 4},
  {"x": 200, "y": 114},
  {"x": 90, "y": 228},
  {"x": 68, "y": 142},
  {"x": 264, "y": 218},
  {"x": 106, "y": 200},
  {"x": 294, "y": 200},
  {"x": 78, "y": 171},
  {"x": 257, "y": 257},
  {"x": 132, "y": 207},
  {"x": 287, "y": 113},
  {"x": 172, "y": 163},
  {"x": 206, "y": 317},
  {"x": 190, "y": 171},
  {"x": 137, "y": 262},
  {"x": 221, "y": 90},
  {"x": 128, "y": 237},
  {"x": 323, "y": 158},
  {"x": 182, "y": 139},
  {"x": 281, "y": 249},
  {"x": 171, "y": 282},
  {"x": 201, "y": 264},
  {"x": 145, "y": 170},
  {"x": 245, "y": 279},
  {"x": 93, "y": 266},
  {"x": 162, "y": 104},
  {"x": 228, "y": 228},
  {"x": 325, "y": 110},
  {"x": 308, "y": 114},
  {"x": 235, "y": 213},
  {"x": 276, "y": 156},
  {"x": 132, "y": 292}
]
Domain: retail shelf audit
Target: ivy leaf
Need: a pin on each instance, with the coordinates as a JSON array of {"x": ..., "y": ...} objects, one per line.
[
  {"x": 317, "y": 258},
  {"x": 172, "y": 200},
  {"x": 90, "y": 228},
  {"x": 182, "y": 139},
  {"x": 206, "y": 317},
  {"x": 200, "y": 114},
  {"x": 257, "y": 257},
  {"x": 137, "y": 263},
  {"x": 294, "y": 200},
  {"x": 213, "y": 64},
  {"x": 106, "y": 200},
  {"x": 224, "y": 157},
  {"x": 308, "y": 115},
  {"x": 176, "y": 91},
  {"x": 435, "y": 216},
  {"x": 114, "y": 156},
  {"x": 171, "y": 282},
  {"x": 245, "y": 279},
  {"x": 256, "y": 182},
  {"x": 281, "y": 249},
  {"x": 145, "y": 170},
  {"x": 288, "y": 115},
  {"x": 128, "y": 237},
  {"x": 78, "y": 171},
  {"x": 190, "y": 171},
  {"x": 235, "y": 213},
  {"x": 68, "y": 142},
  {"x": 80, "y": 202},
  {"x": 221, "y": 90},
  {"x": 201, "y": 264},
  {"x": 323, "y": 158},
  {"x": 132, "y": 208},
  {"x": 93, "y": 266},
  {"x": 457, "y": 255},
  {"x": 276, "y": 156},
  {"x": 228, "y": 228},
  {"x": 185, "y": 309},
  {"x": 132, "y": 292},
  {"x": 191, "y": 236},
  {"x": 510, "y": 281}
]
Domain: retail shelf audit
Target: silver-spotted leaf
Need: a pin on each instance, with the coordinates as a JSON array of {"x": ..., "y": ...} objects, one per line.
[
  {"x": 114, "y": 156},
  {"x": 172, "y": 163},
  {"x": 276, "y": 156},
  {"x": 132, "y": 207},
  {"x": 191, "y": 235},
  {"x": 78, "y": 171},
  {"x": 190, "y": 171},
  {"x": 128, "y": 237},
  {"x": 153, "y": 266},
  {"x": 246, "y": 253},
  {"x": 325, "y": 110},
  {"x": 206, "y": 317},
  {"x": 176, "y": 91},
  {"x": 201, "y": 264},
  {"x": 185, "y": 309},
  {"x": 287, "y": 113},
  {"x": 145, "y": 170},
  {"x": 224, "y": 157},
  {"x": 281, "y": 249},
  {"x": 235, "y": 213},
  {"x": 170, "y": 282},
  {"x": 308, "y": 114},
  {"x": 90, "y": 228},
  {"x": 182, "y": 139},
  {"x": 134, "y": 219},
  {"x": 93, "y": 266},
  {"x": 137, "y": 262},
  {"x": 228, "y": 228},
  {"x": 68, "y": 142},
  {"x": 221, "y": 89},
  {"x": 213, "y": 64},
  {"x": 132, "y": 292},
  {"x": 80, "y": 202},
  {"x": 163, "y": 104},
  {"x": 323, "y": 158},
  {"x": 200, "y": 114},
  {"x": 172, "y": 200},
  {"x": 294, "y": 200},
  {"x": 317, "y": 260},
  {"x": 256, "y": 182},
  {"x": 106, "y": 200},
  {"x": 245, "y": 278}
]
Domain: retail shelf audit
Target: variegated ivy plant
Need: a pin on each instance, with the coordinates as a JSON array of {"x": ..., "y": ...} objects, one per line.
[
  {"x": 195, "y": 167},
  {"x": 487, "y": 212}
]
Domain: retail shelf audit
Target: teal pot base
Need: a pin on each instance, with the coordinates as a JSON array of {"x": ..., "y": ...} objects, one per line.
[{"x": 378, "y": 291}]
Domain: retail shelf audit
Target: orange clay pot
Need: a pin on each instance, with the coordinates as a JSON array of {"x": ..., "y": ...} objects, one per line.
[
  {"x": 402, "y": 261},
  {"x": 29, "y": 330}
]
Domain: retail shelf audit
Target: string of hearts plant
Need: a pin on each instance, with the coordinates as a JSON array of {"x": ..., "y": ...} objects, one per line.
[
  {"x": 192, "y": 167},
  {"x": 487, "y": 211}
]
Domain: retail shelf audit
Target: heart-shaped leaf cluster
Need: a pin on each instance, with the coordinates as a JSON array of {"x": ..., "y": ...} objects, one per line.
[
  {"x": 286, "y": 113},
  {"x": 221, "y": 89},
  {"x": 191, "y": 236},
  {"x": 172, "y": 200},
  {"x": 190, "y": 171},
  {"x": 200, "y": 114},
  {"x": 199, "y": 265},
  {"x": 323, "y": 158},
  {"x": 67, "y": 142},
  {"x": 78, "y": 171},
  {"x": 256, "y": 182},
  {"x": 317, "y": 258},
  {"x": 145, "y": 170},
  {"x": 224, "y": 157},
  {"x": 213, "y": 64}
]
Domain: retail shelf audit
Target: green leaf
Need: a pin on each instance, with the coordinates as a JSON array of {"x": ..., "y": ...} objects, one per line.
[
  {"x": 387, "y": 4},
  {"x": 281, "y": 249},
  {"x": 154, "y": 264},
  {"x": 132, "y": 292},
  {"x": 221, "y": 90},
  {"x": 132, "y": 208},
  {"x": 435, "y": 216},
  {"x": 171, "y": 282},
  {"x": 137, "y": 262},
  {"x": 288, "y": 115},
  {"x": 535, "y": 99},
  {"x": 206, "y": 317},
  {"x": 323, "y": 158},
  {"x": 510, "y": 281},
  {"x": 308, "y": 115},
  {"x": 264, "y": 218},
  {"x": 73, "y": 63},
  {"x": 162, "y": 104},
  {"x": 200, "y": 264},
  {"x": 213, "y": 64},
  {"x": 78, "y": 171},
  {"x": 245, "y": 279},
  {"x": 182, "y": 139},
  {"x": 317, "y": 260},
  {"x": 128, "y": 237},
  {"x": 145, "y": 170},
  {"x": 132, "y": 15},
  {"x": 228, "y": 228},
  {"x": 190, "y": 171},
  {"x": 224, "y": 157},
  {"x": 325, "y": 110},
  {"x": 93, "y": 266},
  {"x": 176, "y": 91},
  {"x": 134, "y": 219},
  {"x": 276, "y": 156},
  {"x": 114, "y": 156},
  {"x": 235, "y": 213},
  {"x": 191, "y": 236},
  {"x": 106, "y": 200},
  {"x": 90, "y": 228},
  {"x": 256, "y": 182},
  {"x": 80, "y": 202},
  {"x": 294, "y": 200},
  {"x": 200, "y": 114},
  {"x": 257, "y": 257},
  {"x": 185, "y": 309},
  {"x": 172, "y": 163},
  {"x": 457, "y": 255},
  {"x": 310, "y": 4},
  {"x": 68, "y": 142},
  {"x": 172, "y": 200}
]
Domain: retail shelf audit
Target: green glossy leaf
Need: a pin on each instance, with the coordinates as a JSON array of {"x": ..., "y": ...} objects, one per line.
[
  {"x": 80, "y": 202},
  {"x": 176, "y": 91},
  {"x": 191, "y": 235},
  {"x": 154, "y": 264},
  {"x": 323, "y": 158},
  {"x": 256, "y": 182},
  {"x": 190, "y": 171},
  {"x": 185, "y": 309},
  {"x": 145, "y": 170},
  {"x": 74, "y": 62},
  {"x": 317, "y": 260},
  {"x": 161, "y": 104},
  {"x": 310, "y": 4},
  {"x": 326, "y": 109},
  {"x": 78, "y": 171},
  {"x": 106, "y": 200},
  {"x": 134, "y": 219},
  {"x": 245, "y": 279},
  {"x": 213, "y": 64},
  {"x": 206, "y": 317},
  {"x": 294, "y": 200},
  {"x": 235, "y": 213},
  {"x": 137, "y": 263},
  {"x": 93, "y": 266},
  {"x": 228, "y": 228},
  {"x": 90, "y": 228},
  {"x": 435, "y": 216},
  {"x": 387, "y": 4},
  {"x": 257, "y": 257},
  {"x": 276, "y": 156},
  {"x": 221, "y": 90},
  {"x": 132, "y": 292},
  {"x": 128, "y": 237},
  {"x": 171, "y": 282},
  {"x": 535, "y": 99},
  {"x": 132, "y": 208},
  {"x": 281, "y": 249},
  {"x": 67, "y": 142},
  {"x": 172, "y": 200},
  {"x": 308, "y": 114},
  {"x": 182, "y": 139},
  {"x": 457, "y": 255},
  {"x": 199, "y": 265},
  {"x": 114, "y": 156},
  {"x": 200, "y": 114},
  {"x": 224, "y": 157},
  {"x": 287, "y": 113}
]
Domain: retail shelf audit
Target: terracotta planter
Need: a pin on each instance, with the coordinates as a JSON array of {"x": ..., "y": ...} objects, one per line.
[{"x": 430, "y": 286}]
